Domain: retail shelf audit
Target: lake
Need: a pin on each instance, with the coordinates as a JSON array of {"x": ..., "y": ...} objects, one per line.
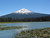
[{"x": 29, "y": 25}]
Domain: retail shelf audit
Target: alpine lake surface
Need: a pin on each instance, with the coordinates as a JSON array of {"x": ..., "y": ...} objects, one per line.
[{"x": 26, "y": 26}]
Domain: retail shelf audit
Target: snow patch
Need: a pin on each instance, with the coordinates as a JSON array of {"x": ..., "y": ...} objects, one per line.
[{"x": 23, "y": 11}]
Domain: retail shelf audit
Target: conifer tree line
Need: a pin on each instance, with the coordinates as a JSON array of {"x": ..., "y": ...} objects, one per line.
[{"x": 47, "y": 18}]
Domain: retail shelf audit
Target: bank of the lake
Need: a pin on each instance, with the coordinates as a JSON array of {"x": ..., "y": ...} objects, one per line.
[
  {"x": 13, "y": 22},
  {"x": 21, "y": 22},
  {"x": 36, "y": 33},
  {"x": 2, "y": 25},
  {"x": 9, "y": 28}
]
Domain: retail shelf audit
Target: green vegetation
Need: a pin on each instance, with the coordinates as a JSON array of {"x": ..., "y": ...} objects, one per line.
[
  {"x": 37, "y": 33},
  {"x": 8, "y": 28},
  {"x": 13, "y": 22},
  {"x": 2, "y": 25}
]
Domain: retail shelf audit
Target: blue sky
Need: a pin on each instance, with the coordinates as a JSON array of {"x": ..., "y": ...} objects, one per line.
[{"x": 39, "y": 6}]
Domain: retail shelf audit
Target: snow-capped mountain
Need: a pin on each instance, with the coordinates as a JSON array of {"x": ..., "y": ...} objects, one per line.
[{"x": 23, "y": 13}]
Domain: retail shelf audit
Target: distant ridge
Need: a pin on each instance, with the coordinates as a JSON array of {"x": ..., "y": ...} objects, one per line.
[{"x": 24, "y": 14}]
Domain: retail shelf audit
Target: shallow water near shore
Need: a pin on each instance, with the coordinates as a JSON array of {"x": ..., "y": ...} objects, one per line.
[{"x": 29, "y": 25}]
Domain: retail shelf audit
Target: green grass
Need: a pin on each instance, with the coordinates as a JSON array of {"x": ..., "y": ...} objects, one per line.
[
  {"x": 21, "y": 22},
  {"x": 2, "y": 25},
  {"x": 13, "y": 22},
  {"x": 9, "y": 28},
  {"x": 37, "y": 33}
]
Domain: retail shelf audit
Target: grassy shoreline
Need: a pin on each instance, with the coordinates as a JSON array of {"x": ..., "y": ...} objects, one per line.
[
  {"x": 9, "y": 28},
  {"x": 13, "y": 22},
  {"x": 2, "y": 25},
  {"x": 20, "y": 22},
  {"x": 36, "y": 33}
]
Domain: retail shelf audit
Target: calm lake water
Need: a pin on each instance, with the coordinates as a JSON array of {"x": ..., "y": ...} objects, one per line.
[{"x": 29, "y": 25}]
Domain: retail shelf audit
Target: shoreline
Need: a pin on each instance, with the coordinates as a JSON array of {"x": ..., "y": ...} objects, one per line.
[
  {"x": 9, "y": 28},
  {"x": 19, "y": 22},
  {"x": 39, "y": 33}
]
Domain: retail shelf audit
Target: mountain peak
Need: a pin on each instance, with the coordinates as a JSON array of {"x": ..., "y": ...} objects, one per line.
[{"x": 23, "y": 11}]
